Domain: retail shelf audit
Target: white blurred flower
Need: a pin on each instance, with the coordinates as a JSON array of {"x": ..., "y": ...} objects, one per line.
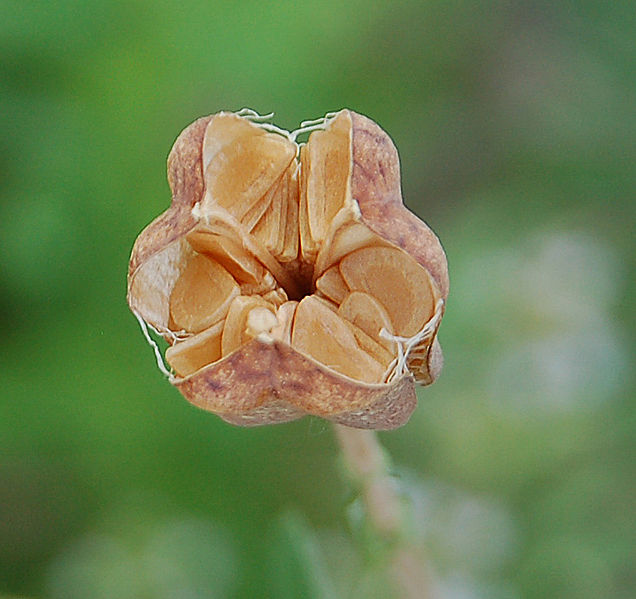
[
  {"x": 544, "y": 310},
  {"x": 474, "y": 534},
  {"x": 186, "y": 558}
]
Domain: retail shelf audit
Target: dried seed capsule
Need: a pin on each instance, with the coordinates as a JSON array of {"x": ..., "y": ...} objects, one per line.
[{"x": 256, "y": 220}]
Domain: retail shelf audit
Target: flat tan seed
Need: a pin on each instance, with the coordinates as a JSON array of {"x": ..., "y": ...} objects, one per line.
[
  {"x": 399, "y": 283},
  {"x": 343, "y": 240},
  {"x": 289, "y": 251},
  {"x": 281, "y": 220},
  {"x": 245, "y": 168},
  {"x": 256, "y": 212},
  {"x": 320, "y": 333},
  {"x": 329, "y": 168},
  {"x": 308, "y": 245},
  {"x": 223, "y": 129},
  {"x": 197, "y": 351},
  {"x": 267, "y": 230},
  {"x": 202, "y": 295},
  {"x": 235, "y": 330},
  {"x": 332, "y": 285},
  {"x": 417, "y": 364},
  {"x": 368, "y": 314},
  {"x": 425, "y": 365},
  {"x": 371, "y": 347},
  {"x": 327, "y": 303},
  {"x": 229, "y": 254}
]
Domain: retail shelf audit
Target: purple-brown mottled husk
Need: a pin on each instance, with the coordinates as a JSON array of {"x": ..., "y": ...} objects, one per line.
[{"x": 270, "y": 382}]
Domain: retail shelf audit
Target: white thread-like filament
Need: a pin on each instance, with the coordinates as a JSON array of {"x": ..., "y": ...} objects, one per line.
[
  {"x": 155, "y": 347},
  {"x": 405, "y": 345},
  {"x": 305, "y": 126}
]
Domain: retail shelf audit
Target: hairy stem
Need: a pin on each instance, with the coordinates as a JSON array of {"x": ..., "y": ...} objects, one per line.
[{"x": 367, "y": 466}]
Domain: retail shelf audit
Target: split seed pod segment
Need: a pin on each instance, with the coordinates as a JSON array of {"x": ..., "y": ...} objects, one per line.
[{"x": 289, "y": 279}]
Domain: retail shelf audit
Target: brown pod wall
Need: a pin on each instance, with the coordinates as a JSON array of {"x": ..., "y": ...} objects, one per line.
[{"x": 291, "y": 280}]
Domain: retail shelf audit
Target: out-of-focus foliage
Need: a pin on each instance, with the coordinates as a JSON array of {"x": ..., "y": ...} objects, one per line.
[{"x": 515, "y": 124}]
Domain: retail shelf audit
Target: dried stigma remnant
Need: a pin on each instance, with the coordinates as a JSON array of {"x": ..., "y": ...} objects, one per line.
[{"x": 290, "y": 279}]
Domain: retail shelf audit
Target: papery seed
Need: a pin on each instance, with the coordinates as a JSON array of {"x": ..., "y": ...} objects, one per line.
[
  {"x": 328, "y": 174},
  {"x": 192, "y": 354},
  {"x": 202, "y": 294},
  {"x": 399, "y": 283},
  {"x": 277, "y": 297},
  {"x": 243, "y": 162},
  {"x": 291, "y": 238},
  {"x": 368, "y": 314},
  {"x": 370, "y": 346},
  {"x": 229, "y": 254},
  {"x": 320, "y": 333},
  {"x": 332, "y": 285}
]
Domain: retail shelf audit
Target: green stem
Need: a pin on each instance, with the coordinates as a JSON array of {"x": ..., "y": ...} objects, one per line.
[{"x": 367, "y": 465}]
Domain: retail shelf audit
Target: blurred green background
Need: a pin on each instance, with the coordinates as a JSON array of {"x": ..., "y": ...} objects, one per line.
[{"x": 515, "y": 123}]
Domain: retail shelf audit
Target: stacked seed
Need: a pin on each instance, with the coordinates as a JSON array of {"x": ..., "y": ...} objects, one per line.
[{"x": 278, "y": 224}]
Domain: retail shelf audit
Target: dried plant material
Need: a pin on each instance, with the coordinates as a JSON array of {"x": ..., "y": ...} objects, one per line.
[
  {"x": 242, "y": 163},
  {"x": 215, "y": 222},
  {"x": 285, "y": 317},
  {"x": 380, "y": 271},
  {"x": 197, "y": 351},
  {"x": 328, "y": 167},
  {"x": 258, "y": 220},
  {"x": 343, "y": 240},
  {"x": 270, "y": 229},
  {"x": 277, "y": 297},
  {"x": 320, "y": 333},
  {"x": 332, "y": 285},
  {"x": 260, "y": 321},
  {"x": 202, "y": 295},
  {"x": 367, "y": 344},
  {"x": 238, "y": 328},
  {"x": 229, "y": 254},
  {"x": 256, "y": 212},
  {"x": 368, "y": 314},
  {"x": 425, "y": 362},
  {"x": 266, "y": 286},
  {"x": 325, "y": 302},
  {"x": 289, "y": 250},
  {"x": 308, "y": 246}
]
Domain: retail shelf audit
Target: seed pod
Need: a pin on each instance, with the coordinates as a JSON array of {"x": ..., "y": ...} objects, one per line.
[{"x": 290, "y": 279}]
